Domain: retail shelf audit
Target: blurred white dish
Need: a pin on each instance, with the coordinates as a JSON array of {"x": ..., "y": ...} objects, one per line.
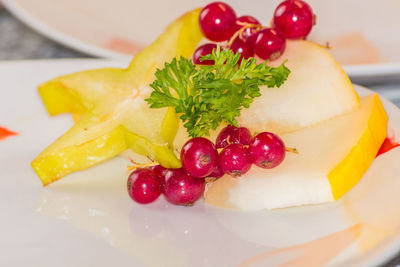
[
  {"x": 87, "y": 219},
  {"x": 364, "y": 35}
]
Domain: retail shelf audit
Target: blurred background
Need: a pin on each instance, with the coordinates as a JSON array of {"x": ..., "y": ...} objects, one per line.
[{"x": 18, "y": 41}]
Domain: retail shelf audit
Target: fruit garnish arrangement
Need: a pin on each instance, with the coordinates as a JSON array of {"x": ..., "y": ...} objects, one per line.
[{"x": 257, "y": 118}]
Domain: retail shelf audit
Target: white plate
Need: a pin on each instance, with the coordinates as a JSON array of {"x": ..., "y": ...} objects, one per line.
[
  {"x": 87, "y": 219},
  {"x": 364, "y": 35}
]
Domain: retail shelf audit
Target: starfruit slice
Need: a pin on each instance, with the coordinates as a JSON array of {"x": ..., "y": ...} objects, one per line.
[{"x": 113, "y": 115}]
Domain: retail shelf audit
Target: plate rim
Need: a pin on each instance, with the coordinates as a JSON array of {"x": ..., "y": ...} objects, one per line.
[
  {"x": 391, "y": 247},
  {"x": 33, "y": 22},
  {"x": 64, "y": 39}
]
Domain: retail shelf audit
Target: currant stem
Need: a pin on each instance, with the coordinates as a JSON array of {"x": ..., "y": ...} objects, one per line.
[
  {"x": 292, "y": 150},
  {"x": 228, "y": 140},
  {"x": 239, "y": 32},
  {"x": 141, "y": 165},
  {"x": 210, "y": 179}
]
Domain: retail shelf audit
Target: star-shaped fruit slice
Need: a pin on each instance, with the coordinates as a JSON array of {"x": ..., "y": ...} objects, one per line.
[{"x": 111, "y": 113}]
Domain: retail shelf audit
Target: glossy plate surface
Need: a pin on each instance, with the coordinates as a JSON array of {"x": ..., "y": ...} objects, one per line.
[
  {"x": 363, "y": 35},
  {"x": 87, "y": 219}
]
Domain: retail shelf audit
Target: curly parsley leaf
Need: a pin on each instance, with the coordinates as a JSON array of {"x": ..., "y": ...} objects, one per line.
[{"x": 205, "y": 96}]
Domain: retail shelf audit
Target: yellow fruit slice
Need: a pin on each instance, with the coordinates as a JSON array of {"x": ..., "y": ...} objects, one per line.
[
  {"x": 333, "y": 156},
  {"x": 317, "y": 89},
  {"x": 350, "y": 170},
  {"x": 113, "y": 115}
]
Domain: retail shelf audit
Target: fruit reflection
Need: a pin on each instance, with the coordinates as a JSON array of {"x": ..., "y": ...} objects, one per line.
[
  {"x": 158, "y": 234},
  {"x": 96, "y": 201}
]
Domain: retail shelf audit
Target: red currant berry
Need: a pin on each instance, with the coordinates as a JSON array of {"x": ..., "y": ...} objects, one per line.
[
  {"x": 248, "y": 31},
  {"x": 267, "y": 150},
  {"x": 201, "y": 51},
  {"x": 243, "y": 48},
  {"x": 144, "y": 186},
  {"x": 160, "y": 172},
  {"x": 217, "y": 172},
  {"x": 199, "y": 157},
  {"x": 182, "y": 189},
  {"x": 217, "y": 21},
  {"x": 269, "y": 44},
  {"x": 233, "y": 135},
  {"x": 235, "y": 160},
  {"x": 252, "y": 40},
  {"x": 294, "y": 18}
]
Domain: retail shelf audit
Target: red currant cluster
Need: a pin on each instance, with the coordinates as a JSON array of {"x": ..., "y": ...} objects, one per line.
[
  {"x": 201, "y": 160},
  {"x": 145, "y": 185},
  {"x": 293, "y": 19}
]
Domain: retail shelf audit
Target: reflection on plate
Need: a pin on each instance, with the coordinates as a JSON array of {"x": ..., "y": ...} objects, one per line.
[
  {"x": 88, "y": 219},
  {"x": 362, "y": 35}
]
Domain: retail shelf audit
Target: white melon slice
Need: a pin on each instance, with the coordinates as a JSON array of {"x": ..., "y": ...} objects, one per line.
[
  {"x": 333, "y": 156},
  {"x": 317, "y": 89}
]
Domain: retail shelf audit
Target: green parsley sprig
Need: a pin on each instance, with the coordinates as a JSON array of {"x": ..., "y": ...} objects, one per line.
[{"x": 205, "y": 96}]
